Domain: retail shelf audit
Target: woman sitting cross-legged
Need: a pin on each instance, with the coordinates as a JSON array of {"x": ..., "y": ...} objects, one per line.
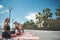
[{"x": 18, "y": 28}]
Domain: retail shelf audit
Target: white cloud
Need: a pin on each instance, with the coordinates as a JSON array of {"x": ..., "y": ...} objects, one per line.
[
  {"x": 22, "y": 22},
  {"x": 31, "y": 16},
  {"x": 5, "y": 11},
  {"x": 1, "y": 6},
  {"x": 17, "y": 19}
]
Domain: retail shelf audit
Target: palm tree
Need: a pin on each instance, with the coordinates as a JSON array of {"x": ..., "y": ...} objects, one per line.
[
  {"x": 32, "y": 24},
  {"x": 58, "y": 12},
  {"x": 39, "y": 16},
  {"x": 29, "y": 25},
  {"x": 47, "y": 14},
  {"x": 26, "y": 25},
  {"x": 58, "y": 16}
]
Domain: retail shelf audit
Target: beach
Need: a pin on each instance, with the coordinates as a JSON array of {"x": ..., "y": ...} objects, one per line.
[{"x": 44, "y": 35}]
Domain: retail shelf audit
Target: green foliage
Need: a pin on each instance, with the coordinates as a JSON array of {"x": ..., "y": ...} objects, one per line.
[
  {"x": 29, "y": 25},
  {"x": 49, "y": 24},
  {"x": 58, "y": 11}
]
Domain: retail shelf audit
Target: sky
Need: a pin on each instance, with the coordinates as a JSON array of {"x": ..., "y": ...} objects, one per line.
[{"x": 23, "y": 10}]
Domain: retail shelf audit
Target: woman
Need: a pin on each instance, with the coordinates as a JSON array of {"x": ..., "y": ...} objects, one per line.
[
  {"x": 16, "y": 28},
  {"x": 6, "y": 29}
]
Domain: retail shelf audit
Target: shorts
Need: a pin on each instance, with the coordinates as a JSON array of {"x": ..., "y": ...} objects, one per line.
[{"x": 6, "y": 35}]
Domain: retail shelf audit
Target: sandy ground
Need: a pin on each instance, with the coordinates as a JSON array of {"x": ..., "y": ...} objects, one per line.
[{"x": 44, "y": 35}]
